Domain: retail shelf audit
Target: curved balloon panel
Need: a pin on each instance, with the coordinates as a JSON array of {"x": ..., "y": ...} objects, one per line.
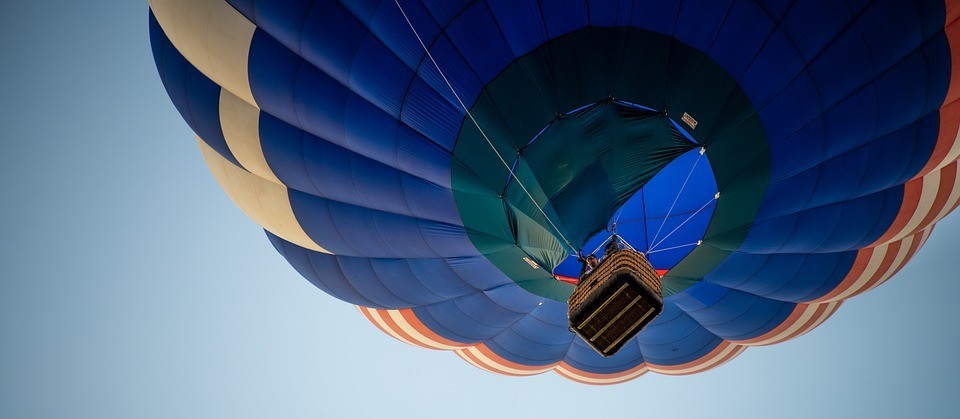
[{"x": 436, "y": 163}]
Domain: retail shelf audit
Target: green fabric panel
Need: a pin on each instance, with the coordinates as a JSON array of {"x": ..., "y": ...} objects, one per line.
[{"x": 587, "y": 163}]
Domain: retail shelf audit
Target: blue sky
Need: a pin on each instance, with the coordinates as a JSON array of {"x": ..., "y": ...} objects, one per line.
[{"x": 130, "y": 286}]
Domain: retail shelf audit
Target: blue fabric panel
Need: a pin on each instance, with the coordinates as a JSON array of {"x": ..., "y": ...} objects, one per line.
[
  {"x": 776, "y": 8},
  {"x": 700, "y": 20},
  {"x": 784, "y": 277},
  {"x": 302, "y": 96},
  {"x": 732, "y": 314},
  {"x": 837, "y": 227},
  {"x": 522, "y": 25},
  {"x": 384, "y": 20},
  {"x": 775, "y": 65},
  {"x": 810, "y": 28},
  {"x": 443, "y": 11},
  {"x": 743, "y": 33},
  {"x": 609, "y": 13},
  {"x": 477, "y": 38},
  {"x": 196, "y": 97},
  {"x": 891, "y": 30},
  {"x": 584, "y": 358},
  {"x": 321, "y": 274},
  {"x": 314, "y": 166},
  {"x": 675, "y": 338},
  {"x": 350, "y": 230},
  {"x": 563, "y": 16},
  {"x": 657, "y": 16},
  {"x": 474, "y": 318}
]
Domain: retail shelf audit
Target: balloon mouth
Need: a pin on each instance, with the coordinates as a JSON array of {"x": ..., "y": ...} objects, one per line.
[
  {"x": 549, "y": 153},
  {"x": 666, "y": 219}
]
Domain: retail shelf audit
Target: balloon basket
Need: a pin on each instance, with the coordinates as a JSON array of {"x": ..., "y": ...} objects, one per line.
[{"x": 615, "y": 301}]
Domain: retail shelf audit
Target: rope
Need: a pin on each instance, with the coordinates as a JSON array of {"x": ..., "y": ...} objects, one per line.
[
  {"x": 715, "y": 197},
  {"x": 475, "y": 123},
  {"x": 697, "y": 243},
  {"x": 677, "y": 198}
]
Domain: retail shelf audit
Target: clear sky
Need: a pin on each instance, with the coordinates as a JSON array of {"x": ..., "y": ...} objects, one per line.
[{"x": 131, "y": 287}]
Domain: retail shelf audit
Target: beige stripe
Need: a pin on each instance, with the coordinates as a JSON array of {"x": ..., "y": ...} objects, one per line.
[
  {"x": 952, "y": 199},
  {"x": 412, "y": 332},
  {"x": 898, "y": 261},
  {"x": 375, "y": 315},
  {"x": 808, "y": 311},
  {"x": 213, "y": 36},
  {"x": 902, "y": 257},
  {"x": 494, "y": 365},
  {"x": 716, "y": 360},
  {"x": 928, "y": 195},
  {"x": 240, "y": 122},
  {"x": 953, "y": 154},
  {"x": 464, "y": 357},
  {"x": 265, "y": 202},
  {"x": 613, "y": 380},
  {"x": 876, "y": 259},
  {"x": 831, "y": 308}
]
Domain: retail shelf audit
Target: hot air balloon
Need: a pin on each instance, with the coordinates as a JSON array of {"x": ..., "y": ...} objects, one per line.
[{"x": 440, "y": 163}]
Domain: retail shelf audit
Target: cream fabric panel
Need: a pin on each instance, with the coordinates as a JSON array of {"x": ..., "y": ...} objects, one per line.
[
  {"x": 265, "y": 202},
  {"x": 240, "y": 122},
  {"x": 213, "y": 36}
]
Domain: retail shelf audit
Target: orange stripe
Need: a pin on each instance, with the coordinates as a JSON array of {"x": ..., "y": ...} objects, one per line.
[
  {"x": 952, "y": 31},
  {"x": 710, "y": 356},
  {"x": 371, "y": 320},
  {"x": 794, "y": 316},
  {"x": 912, "y": 191},
  {"x": 948, "y": 178},
  {"x": 807, "y": 325},
  {"x": 914, "y": 247},
  {"x": 892, "y": 251},
  {"x": 482, "y": 348},
  {"x": 949, "y": 122},
  {"x": 859, "y": 266},
  {"x": 392, "y": 324},
  {"x": 600, "y": 376},
  {"x": 483, "y": 364},
  {"x": 418, "y": 325},
  {"x": 580, "y": 376}
]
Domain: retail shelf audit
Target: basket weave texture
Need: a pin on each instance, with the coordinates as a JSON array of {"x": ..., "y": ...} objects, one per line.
[{"x": 621, "y": 260}]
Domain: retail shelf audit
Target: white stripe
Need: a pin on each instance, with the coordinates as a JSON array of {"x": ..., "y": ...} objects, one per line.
[
  {"x": 953, "y": 154},
  {"x": 952, "y": 199},
  {"x": 876, "y": 259},
  {"x": 213, "y": 36},
  {"x": 928, "y": 194},
  {"x": 612, "y": 380},
  {"x": 491, "y": 364},
  {"x": 413, "y": 333},
  {"x": 716, "y": 360},
  {"x": 831, "y": 308},
  {"x": 808, "y": 311},
  {"x": 902, "y": 259},
  {"x": 463, "y": 356},
  {"x": 375, "y": 315}
]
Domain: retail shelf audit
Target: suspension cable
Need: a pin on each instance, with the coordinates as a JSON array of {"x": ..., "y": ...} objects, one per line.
[
  {"x": 475, "y": 123},
  {"x": 677, "y": 198},
  {"x": 715, "y": 197}
]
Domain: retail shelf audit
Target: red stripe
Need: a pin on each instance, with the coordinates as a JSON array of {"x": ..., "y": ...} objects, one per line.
[{"x": 859, "y": 266}]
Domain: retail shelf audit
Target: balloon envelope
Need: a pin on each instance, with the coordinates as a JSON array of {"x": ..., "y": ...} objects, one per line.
[{"x": 773, "y": 158}]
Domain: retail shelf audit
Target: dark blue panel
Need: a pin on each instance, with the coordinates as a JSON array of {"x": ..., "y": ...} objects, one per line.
[
  {"x": 521, "y": 23},
  {"x": 196, "y": 97}
]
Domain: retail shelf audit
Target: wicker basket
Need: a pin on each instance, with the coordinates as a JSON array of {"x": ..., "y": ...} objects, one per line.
[{"x": 615, "y": 301}]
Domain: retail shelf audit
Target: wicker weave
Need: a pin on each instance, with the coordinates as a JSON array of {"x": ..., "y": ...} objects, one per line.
[{"x": 615, "y": 300}]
